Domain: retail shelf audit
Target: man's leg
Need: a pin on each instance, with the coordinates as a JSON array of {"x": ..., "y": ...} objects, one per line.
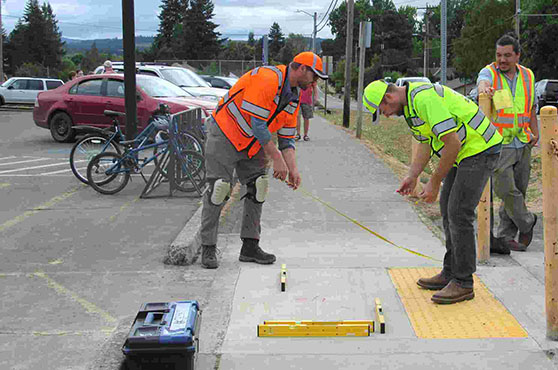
[
  {"x": 439, "y": 281},
  {"x": 505, "y": 189},
  {"x": 526, "y": 219},
  {"x": 298, "y": 118},
  {"x": 219, "y": 161},
  {"x": 253, "y": 173},
  {"x": 470, "y": 179},
  {"x": 306, "y": 126}
]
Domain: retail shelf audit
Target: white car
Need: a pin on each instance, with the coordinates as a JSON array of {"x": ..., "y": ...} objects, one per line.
[
  {"x": 401, "y": 81},
  {"x": 182, "y": 77},
  {"x": 18, "y": 90}
]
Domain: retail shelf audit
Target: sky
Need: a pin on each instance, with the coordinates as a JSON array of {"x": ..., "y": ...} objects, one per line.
[{"x": 94, "y": 19}]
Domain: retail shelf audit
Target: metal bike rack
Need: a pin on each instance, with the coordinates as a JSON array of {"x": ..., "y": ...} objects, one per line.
[{"x": 190, "y": 121}]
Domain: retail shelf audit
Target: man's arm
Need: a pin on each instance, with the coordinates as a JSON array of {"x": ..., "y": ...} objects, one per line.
[
  {"x": 290, "y": 159},
  {"x": 534, "y": 126},
  {"x": 421, "y": 159},
  {"x": 262, "y": 134},
  {"x": 452, "y": 145},
  {"x": 484, "y": 83}
]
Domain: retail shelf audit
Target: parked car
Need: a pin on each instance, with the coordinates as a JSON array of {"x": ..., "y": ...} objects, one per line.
[
  {"x": 220, "y": 81},
  {"x": 81, "y": 102},
  {"x": 25, "y": 89},
  {"x": 183, "y": 77},
  {"x": 400, "y": 81},
  {"x": 546, "y": 93}
]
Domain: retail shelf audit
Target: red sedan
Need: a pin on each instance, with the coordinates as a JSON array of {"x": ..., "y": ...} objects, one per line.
[{"x": 83, "y": 101}]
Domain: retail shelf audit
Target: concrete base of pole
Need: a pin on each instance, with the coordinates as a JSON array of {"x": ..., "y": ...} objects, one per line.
[{"x": 552, "y": 334}]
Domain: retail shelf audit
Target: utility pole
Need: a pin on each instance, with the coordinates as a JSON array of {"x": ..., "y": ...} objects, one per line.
[
  {"x": 425, "y": 42},
  {"x": 130, "y": 102},
  {"x": 348, "y": 55},
  {"x": 364, "y": 42},
  {"x": 314, "y": 33},
  {"x": 444, "y": 34},
  {"x": 517, "y": 11},
  {"x": 1, "y": 47}
]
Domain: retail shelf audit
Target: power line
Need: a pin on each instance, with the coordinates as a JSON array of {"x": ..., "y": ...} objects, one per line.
[
  {"x": 325, "y": 23},
  {"x": 326, "y": 13}
]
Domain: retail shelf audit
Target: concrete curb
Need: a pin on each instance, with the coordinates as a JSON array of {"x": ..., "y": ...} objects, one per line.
[{"x": 185, "y": 248}]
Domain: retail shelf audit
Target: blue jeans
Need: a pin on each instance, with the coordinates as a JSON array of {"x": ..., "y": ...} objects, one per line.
[{"x": 461, "y": 192}]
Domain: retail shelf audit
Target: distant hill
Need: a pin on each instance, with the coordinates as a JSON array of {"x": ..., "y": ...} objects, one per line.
[{"x": 113, "y": 46}]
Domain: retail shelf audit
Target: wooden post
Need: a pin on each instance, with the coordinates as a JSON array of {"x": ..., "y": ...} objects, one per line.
[
  {"x": 549, "y": 154},
  {"x": 483, "y": 209}
]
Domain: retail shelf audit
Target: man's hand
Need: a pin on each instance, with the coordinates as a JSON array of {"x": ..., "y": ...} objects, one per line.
[
  {"x": 430, "y": 192},
  {"x": 280, "y": 170},
  {"x": 485, "y": 88},
  {"x": 534, "y": 140},
  {"x": 407, "y": 185},
  {"x": 294, "y": 180}
]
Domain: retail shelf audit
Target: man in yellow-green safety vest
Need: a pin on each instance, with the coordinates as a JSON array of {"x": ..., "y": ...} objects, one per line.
[
  {"x": 451, "y": 126},
  {"x": 512, "y": 87}
]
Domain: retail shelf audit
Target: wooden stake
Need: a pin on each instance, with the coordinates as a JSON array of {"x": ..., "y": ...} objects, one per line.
[
  {"x": 483, "y": 209},
  {"x": 549, "y": 154}
]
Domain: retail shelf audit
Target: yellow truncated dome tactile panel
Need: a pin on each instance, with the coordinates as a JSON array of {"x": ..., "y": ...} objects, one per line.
[{"x": 482, "y": 317}]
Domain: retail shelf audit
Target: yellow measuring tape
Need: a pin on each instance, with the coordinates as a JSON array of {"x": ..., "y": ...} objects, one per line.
[{"x": 364, "y": 227}]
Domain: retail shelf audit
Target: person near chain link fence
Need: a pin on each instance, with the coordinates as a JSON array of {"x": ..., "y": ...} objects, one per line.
[
  {"x": 308, "y": 98},
  {"x": 512, "y": 89},
  {"x": 263, "y": 101}
]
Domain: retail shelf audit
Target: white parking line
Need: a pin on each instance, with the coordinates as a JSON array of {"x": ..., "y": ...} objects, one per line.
[
  {"x": 27, "y": 161},
  {"x": 65, "y": 163},
  {"x": 10, "y": 157}
]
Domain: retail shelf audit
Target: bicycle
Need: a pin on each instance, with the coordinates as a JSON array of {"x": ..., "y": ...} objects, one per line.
[
  {"x": 105, "y": 168},
  {"x": 91, "y": 145}
]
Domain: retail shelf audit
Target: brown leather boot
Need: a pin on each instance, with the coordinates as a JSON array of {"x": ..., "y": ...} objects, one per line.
[
  {"x": 453, "y": 293},
  {"x": 434, "y": 283}
]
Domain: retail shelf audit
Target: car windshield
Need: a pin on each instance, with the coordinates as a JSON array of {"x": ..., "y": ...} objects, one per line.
[
  {"x": 159, "y": 88},
  {"x": 7, "y": 83},
  {"x": 183, "y": 77}
]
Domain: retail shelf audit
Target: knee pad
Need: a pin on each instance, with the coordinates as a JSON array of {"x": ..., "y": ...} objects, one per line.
[
  {"x": 219, "y": 192},
  {"x": 256, "y": 190}
]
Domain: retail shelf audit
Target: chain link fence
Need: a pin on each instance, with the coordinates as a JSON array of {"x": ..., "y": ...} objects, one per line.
[{"x": 216, "y": 67}]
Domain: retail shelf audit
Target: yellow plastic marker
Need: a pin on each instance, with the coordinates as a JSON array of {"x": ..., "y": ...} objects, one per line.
[
  {"x": 315, "y": 329},
  {"x": 380, "y": 316},
  {"x": 283, "y": 277}
]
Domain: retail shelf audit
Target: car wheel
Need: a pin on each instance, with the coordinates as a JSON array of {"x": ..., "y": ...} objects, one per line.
[
  {"x": 61, "y": 128},
  {"x": 2, "y": 101}
]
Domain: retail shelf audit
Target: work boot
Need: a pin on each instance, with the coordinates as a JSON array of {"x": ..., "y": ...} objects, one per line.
[
  {"x": 526, "y": 238},
  {"x": 434, "y": 283},
  {"x": 499, "y": 246},
  {"x": 209, "y": 257},
  {"x": 453, "y": 293},
  {"x": 515, "y": 246},
  {"x": 251, "y": 252}
]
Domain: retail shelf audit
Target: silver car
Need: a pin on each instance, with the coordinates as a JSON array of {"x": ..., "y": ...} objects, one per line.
[{"x": 24, "y": 90}]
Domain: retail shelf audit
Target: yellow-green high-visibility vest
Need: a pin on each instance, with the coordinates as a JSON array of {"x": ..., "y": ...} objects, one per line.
[
  {"x": 514, "y": 122},
  {"x": 433, "y": 111}
]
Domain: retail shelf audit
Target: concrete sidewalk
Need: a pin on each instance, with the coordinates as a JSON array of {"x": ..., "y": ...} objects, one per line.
[{"x": 336, "y": 269}]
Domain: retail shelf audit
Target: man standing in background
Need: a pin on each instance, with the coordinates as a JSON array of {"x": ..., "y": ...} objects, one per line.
[{"x": 512, "y": 88}]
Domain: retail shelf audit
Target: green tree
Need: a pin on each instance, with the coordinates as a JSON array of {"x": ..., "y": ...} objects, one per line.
[
  {"x": 538, "y": 34},
  {"x": 294, "y": 44},
  {"x": 251, "y": 39},
  {"x": 276, "y": 40},
  {"x": 35, "y": 39},
  {"x": 92, "y": 59},
  {"x": 485, "y": 22},
  {"x": 197, "y": 38},
  {"x": 172, "y": 14},
  {"x": 237, "y": 50}
]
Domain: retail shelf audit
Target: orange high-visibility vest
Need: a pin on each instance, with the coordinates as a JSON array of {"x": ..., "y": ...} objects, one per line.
[
  {"x": 256, "y": 94},
  {"x": 514, "y": 122}
]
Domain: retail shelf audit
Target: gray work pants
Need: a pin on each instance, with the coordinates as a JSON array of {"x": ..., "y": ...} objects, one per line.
[
  {"x": 461, "y": 192},
  {"x": 511, "y": 179},
  {"x": 221, "y": 159}
]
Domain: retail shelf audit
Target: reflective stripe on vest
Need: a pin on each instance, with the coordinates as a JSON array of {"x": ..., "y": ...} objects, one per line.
[
  {"x": 287, "y": 131},
  {"x": 258, "y": 111},
  {"x": 240, "y": 119}
]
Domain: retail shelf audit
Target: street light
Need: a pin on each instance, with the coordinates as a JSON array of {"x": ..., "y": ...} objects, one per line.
[{"x": 314, "y": 30}]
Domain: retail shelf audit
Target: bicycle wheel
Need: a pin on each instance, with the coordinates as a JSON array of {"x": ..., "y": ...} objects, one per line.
[
  {"x": 190, "y": 171},
  {"x": 185, "y": 142},
  {"x": 85, "y": 149},
  {"x": 107, "y": 174}
]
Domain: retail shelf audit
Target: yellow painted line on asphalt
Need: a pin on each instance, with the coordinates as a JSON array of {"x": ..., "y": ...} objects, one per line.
[
  {"x": 122, "y": 208},
  {"x": 4, "y": 185},
  {"x": 57, "y": 199},
  {"x": 60, "y": 289},
  {"x": 482, "y": 317}
]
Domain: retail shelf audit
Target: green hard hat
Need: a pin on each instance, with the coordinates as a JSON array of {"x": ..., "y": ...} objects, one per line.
[{"x": 373, "y": 95}]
